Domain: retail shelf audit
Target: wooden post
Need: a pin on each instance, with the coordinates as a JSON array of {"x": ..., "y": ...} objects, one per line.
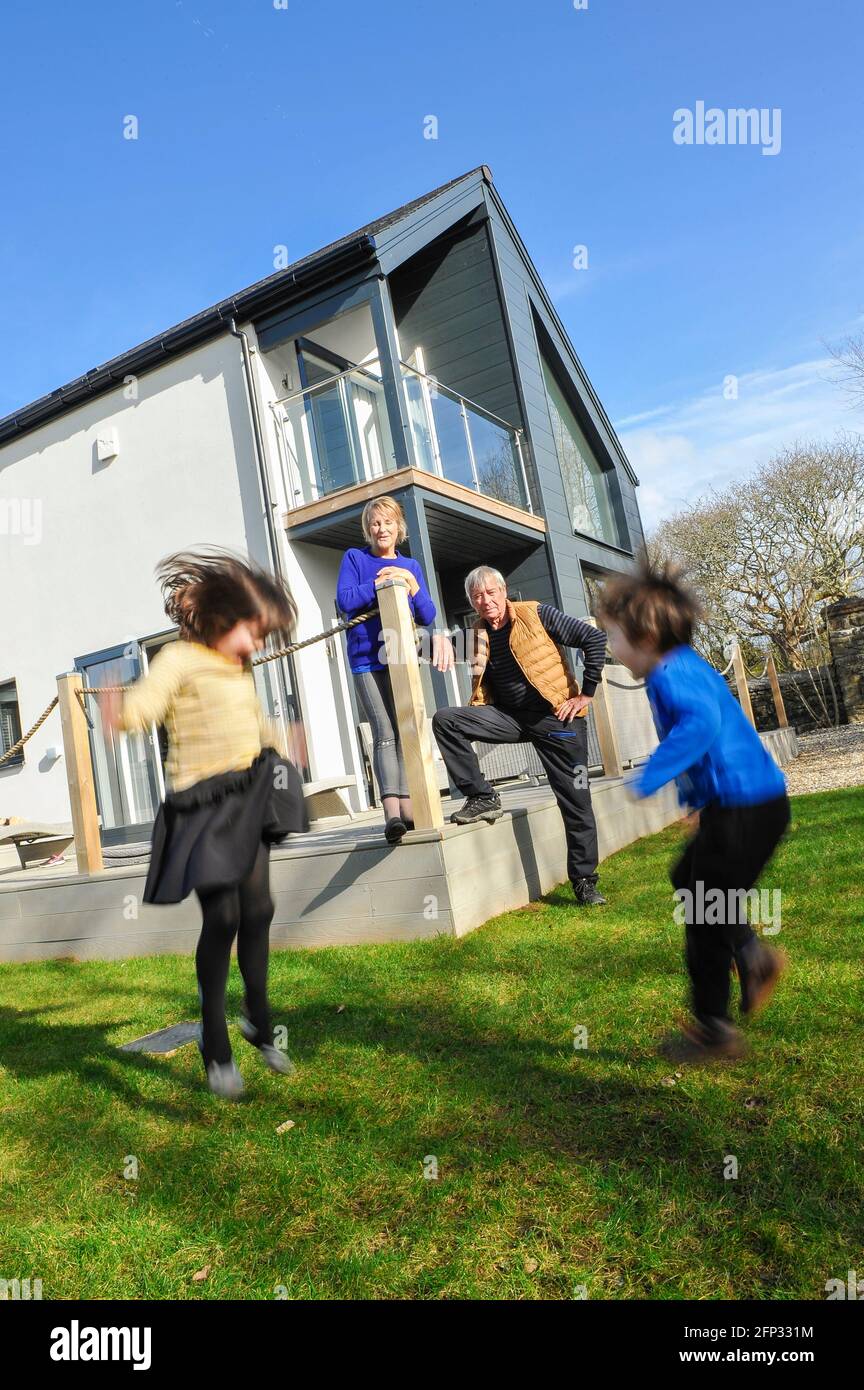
[
  {"x": 414, "y": 733},
  {"x": 79, "y": 774},
  {"x": 741, "y": 683},
  {"x": 604, "y": 723},
  {"x": 776, "y": 692}
]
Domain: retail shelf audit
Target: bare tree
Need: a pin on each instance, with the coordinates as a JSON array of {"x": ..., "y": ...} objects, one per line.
[
  {"x": 767, "y": 553},
  {"x": 849, "y": 357}
]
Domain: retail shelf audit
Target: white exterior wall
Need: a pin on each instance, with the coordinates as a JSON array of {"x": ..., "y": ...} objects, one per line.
[
  {"x": 79, "y": 541},
  {"x": 311, "y": 572}
]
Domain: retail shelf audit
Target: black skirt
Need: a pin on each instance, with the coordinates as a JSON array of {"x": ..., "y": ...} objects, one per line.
[{"x": 207, "y": 835}]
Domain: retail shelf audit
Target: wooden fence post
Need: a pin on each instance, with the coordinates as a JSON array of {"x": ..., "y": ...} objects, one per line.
[
  {"x": 741, "y": 682},
  {"x": 604, "y": 723},
  {"x": 777, "y": 693},
  {"x": 79, "y": 774},
  {"x": 414, "y": 733}
]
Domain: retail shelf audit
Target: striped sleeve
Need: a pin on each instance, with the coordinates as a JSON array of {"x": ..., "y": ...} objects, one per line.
[{"x": 574, "y": 632}]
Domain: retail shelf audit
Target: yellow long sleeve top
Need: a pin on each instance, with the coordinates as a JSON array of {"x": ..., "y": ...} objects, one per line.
[{"x": 210, "y": 709}]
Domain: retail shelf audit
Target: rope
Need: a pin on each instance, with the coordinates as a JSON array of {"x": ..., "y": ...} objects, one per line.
[
  {"x": 105, "y": 689},
  {"x": 261, "y": 660},
  {"x": 30, "y": 732},
  {"x": 621, "y": 686}
]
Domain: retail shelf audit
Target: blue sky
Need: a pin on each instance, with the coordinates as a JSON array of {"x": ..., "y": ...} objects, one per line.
[{"x": 261, "y": 126}]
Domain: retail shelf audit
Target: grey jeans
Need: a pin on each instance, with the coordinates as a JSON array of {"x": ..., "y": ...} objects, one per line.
[{"x": 376, "y": 700}]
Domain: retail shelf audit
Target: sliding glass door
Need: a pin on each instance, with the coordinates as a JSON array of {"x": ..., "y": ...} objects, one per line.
[{"x": 127, "y": 768}]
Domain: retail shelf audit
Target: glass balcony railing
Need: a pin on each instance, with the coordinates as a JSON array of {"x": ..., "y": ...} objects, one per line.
[
  {"x": 336, "y": 433},
  {"x": 459, "y": 440}
]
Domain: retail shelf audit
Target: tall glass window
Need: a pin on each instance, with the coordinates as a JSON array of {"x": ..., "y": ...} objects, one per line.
[{"x": 586, "y": 484}]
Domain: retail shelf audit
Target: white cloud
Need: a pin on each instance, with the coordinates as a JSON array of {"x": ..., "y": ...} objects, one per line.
[{"x": 708, "y": 441}]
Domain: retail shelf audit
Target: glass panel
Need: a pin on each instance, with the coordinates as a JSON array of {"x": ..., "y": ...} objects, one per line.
[
  {"x": 123, "y": 764},
  {"x": 420, "y": 423},
  {"x": 450, "y": 434},
  {"x": 370, "y": 418},
  {"x": 439, "y": 418},
  {"x": 332, "y": 439},
  {"x": 495, "y": 459},
  {"x": 294, "y": 431},
  {"x": 586, "y": 484}
]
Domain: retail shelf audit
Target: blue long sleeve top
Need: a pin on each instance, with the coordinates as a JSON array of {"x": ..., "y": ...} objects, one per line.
[
  {"x": 707, "y": 743},
  {"x": 355, "y": 592}
]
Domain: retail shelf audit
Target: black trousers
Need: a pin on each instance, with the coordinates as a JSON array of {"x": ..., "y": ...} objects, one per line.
[
  {"x": 562, "y": 749},
  {"x": 729, "y": 851}
]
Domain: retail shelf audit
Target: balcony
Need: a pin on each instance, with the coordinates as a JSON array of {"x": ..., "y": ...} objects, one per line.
[{"x": 335, "y": 434}]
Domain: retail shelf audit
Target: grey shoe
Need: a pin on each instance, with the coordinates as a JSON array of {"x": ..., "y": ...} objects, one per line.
[
  {"x": 586, "y": 892},
  {"x": 276, "y": 1060},
  {"x": 476, "y": 808},
  {"x": 224, "y": 1080}
]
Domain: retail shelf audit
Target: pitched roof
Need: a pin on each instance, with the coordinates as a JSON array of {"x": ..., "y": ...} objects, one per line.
[{"x": 331, "y": 261}]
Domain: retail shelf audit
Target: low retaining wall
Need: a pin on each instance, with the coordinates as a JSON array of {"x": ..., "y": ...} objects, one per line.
[{"x": 334, "y": 889}]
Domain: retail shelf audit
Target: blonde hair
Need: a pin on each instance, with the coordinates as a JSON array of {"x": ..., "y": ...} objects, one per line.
[{"x": 384, "y": 504}]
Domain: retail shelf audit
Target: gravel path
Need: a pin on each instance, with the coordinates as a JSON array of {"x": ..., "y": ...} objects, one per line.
[{"x": 828, "y": 759}]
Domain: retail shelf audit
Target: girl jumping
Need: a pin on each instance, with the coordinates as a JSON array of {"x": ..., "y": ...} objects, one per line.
[{"x": 231, "y": 792}]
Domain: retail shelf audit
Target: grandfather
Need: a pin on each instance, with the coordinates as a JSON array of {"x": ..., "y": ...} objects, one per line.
[{"x": 524, "y": 691}]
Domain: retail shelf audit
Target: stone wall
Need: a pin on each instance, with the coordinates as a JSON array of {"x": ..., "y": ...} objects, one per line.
[
  {"x": 845, "y": 624},
  {"x": 796, "y": 687}
]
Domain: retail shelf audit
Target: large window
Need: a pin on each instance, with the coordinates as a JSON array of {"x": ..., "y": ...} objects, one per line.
[{"x": 587, "y": 486}]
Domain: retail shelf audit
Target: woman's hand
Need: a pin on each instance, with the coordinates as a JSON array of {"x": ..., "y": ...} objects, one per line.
[
  {"x": 299, "y": 753},
  {"x": 397, "y": 572},
  {"x": 443, "y": 656},
  {"x": 110, "y": 704}
]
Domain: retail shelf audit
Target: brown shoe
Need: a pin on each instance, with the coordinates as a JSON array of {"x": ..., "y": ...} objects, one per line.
[
  {"x": 700, "y": 1042},
  {"x": 758, "y": 973}
]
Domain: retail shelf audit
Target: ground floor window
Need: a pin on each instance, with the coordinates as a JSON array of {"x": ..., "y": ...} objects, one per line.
[{"x": 10, "y": 722}]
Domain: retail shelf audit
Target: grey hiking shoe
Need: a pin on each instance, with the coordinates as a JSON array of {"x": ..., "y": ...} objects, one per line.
[
  {"x": 586, "y": 892},
  {"x": 476, "y": 808}
]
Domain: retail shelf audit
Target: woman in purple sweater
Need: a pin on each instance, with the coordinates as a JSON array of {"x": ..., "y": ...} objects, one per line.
[{"x": 384, "y": 527}]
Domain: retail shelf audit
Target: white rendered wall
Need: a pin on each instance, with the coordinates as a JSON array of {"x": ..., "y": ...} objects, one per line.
[
  {"x": 82, "y": 578},
  {"x": 311, "y": 572}
]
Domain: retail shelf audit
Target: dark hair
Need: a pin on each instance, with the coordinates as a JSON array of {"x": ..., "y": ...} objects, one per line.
[
  {"x": 208, "y": 591},
  {"x": 650, "y": 605}
]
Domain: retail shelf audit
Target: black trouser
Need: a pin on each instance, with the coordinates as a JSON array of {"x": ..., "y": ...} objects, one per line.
[
  {"x": 244, "y": 910},
  {"x": 562, "y": 749},
  {"x": 729, "y": 851}
]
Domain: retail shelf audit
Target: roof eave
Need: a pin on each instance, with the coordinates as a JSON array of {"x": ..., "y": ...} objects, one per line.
[{"x": 267, "y": 294}]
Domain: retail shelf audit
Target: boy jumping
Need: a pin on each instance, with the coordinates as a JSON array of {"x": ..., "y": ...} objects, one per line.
[{"x": 722, "y": 770}]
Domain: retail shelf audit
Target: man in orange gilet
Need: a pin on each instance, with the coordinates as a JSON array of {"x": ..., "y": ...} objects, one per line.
[{"x": 523, "y": 690}]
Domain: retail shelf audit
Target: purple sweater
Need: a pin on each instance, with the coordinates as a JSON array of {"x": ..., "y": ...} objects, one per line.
[{"x": 355, "y": 592}]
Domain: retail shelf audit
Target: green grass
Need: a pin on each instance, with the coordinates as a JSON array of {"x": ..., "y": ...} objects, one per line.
[{"x": 557, "y": 1168}]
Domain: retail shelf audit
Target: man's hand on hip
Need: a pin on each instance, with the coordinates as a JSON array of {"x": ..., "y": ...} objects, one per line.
[{"x": 571, "y": 708}]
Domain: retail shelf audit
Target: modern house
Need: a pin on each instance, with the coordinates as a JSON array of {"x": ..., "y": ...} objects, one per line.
[{"x": 420, "y": 356}]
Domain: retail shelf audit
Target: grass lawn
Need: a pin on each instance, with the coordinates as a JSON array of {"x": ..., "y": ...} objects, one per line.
[{"x": 556, "y": 1167}]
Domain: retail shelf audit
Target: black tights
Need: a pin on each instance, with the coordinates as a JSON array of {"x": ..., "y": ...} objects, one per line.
[{"x": 244, "y": 910}]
